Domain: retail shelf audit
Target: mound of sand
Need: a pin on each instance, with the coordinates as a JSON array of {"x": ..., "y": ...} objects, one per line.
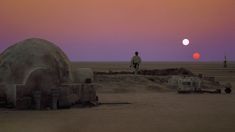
[
  {"x": 160, "y": 72},
  {"x": 120, "y": 83}
]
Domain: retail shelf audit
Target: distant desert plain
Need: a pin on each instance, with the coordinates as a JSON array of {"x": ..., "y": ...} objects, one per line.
[{"x": 137, "y": 104}]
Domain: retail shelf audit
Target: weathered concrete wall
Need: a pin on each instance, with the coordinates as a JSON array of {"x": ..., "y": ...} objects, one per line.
[
  {"x": 67, "y": 95},
  {"x": 11, "y": 94},
  {"x": 79, "y": 93},
  {"x": 24, "y": 99},
  {"x": 2, "y": 95}
]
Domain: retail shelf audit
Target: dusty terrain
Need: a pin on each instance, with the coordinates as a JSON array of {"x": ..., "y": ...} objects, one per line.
[{"x": 131, "y": 104}]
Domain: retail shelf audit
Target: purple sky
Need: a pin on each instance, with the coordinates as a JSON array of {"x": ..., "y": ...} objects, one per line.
[{"x": 104, "y": 30}]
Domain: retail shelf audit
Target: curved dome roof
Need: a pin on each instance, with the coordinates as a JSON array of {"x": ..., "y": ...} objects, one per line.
[{"x": 20, "y": 58}]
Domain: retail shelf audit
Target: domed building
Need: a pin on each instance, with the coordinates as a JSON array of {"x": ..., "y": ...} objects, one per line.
[
  {"x": 19, "y": 59},
  {"x": 36, "y": 74}
]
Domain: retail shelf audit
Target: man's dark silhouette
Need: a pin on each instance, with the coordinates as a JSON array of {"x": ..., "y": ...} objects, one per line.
[
  {"x": 135, "y": 62},
  {"x": 225, "y": 62}
]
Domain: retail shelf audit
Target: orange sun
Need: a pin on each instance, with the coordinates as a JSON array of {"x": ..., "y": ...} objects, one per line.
[{"x": 196, "y": 56}]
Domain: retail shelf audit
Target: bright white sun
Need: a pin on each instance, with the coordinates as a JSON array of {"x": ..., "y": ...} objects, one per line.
[{"x": 185, "y": 42}]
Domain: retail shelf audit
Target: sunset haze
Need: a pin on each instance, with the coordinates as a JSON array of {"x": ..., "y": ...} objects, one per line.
[{"x": 112, "y": 30}]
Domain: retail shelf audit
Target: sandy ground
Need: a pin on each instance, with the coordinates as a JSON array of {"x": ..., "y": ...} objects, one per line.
[{"x": 142, "y": 110}]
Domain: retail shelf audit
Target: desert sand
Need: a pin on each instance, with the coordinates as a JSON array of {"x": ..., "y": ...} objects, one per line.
[{"x": 130, "y": 104}]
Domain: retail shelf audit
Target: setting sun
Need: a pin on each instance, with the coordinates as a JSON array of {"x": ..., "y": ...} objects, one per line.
[{"x": 196, "y": 56}]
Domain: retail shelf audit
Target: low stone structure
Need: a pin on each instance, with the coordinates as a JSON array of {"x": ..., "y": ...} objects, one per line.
[
  {"x": 36, "y": 74},
  {"x": 185, "y": 84},
  {"x": 189, "y": 84}
]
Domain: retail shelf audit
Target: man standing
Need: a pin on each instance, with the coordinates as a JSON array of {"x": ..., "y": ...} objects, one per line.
[{"x": 135, "y": 62}]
